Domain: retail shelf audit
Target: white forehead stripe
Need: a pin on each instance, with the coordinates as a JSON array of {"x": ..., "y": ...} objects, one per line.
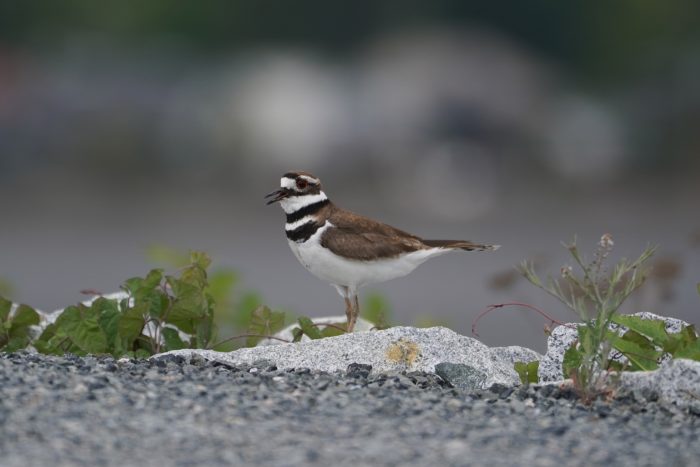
[
  {"x": 294, "y": 203},
  {"x": 287, "y": 183},
  {"x": 290, "y": 183},
  {"x": 310, "y": 179}
]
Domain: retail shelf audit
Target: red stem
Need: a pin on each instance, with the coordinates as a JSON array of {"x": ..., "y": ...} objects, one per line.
[
  {"x": 330, "y": 325},
  {"x": 491, "y": 308}
]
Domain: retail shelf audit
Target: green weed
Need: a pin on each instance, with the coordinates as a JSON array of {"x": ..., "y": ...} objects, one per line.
[
  {"x": 595, "y": 294},
  {"x": 15, "y": 333},
  {"x": 528, "y": 372}
]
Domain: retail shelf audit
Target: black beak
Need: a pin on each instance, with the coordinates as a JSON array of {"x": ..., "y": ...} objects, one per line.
[{"x": 278, "y": 195}]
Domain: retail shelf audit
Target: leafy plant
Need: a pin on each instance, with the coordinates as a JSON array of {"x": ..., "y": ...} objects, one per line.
[
  {"x": 15, "y": 326},
  {"x": 234, "y": 309},
  {"x": 316, "y": 331},
  {"x": 162, "y": 312},
  {"x": 595, "y": 295},
  {"x": 646, "y": 342},
  {"x": 528, "y": 372},
  {"x": 263, "y": 323}
]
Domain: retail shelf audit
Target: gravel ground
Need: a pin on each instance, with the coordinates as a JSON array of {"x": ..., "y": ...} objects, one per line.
[{"x": 98, "y": 411}]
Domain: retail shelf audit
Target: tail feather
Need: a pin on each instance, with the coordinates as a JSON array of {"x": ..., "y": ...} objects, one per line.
[{"x": 461, "y": 244}]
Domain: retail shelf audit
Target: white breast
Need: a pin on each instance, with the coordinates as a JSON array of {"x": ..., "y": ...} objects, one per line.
[{"x": 337, "y": 270}]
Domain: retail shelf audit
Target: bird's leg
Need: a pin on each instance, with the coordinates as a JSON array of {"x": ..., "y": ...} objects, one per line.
[
  {"x": 356, "y": 311},
  {"x": 348, "y": 314}
]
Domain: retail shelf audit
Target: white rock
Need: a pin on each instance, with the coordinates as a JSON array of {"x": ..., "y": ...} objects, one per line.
[
  {"x": 676, "y": 382},
  {"x": 562, "y": 337},
  {"x": 394, "y": 349},
  {"x": 515, "y": 353}
]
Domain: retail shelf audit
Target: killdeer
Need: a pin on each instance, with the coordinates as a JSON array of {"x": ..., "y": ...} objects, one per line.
[{"x": 346, "y": 249}]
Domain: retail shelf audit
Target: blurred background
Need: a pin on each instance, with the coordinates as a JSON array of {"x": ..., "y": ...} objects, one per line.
[{"x": 129, "y": 126}]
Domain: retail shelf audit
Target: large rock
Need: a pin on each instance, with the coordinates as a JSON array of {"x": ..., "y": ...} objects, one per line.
[
  {"x": 394, "y": 349},
  {"x": 676, "y": 382},
  {"x": 562, "y": 337}
]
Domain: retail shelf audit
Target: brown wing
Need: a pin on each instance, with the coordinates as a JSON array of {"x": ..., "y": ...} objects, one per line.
[{"x": 360, "y": 238}]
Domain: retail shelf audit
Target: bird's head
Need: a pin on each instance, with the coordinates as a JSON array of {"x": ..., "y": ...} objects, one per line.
[{"x": 297, "y": 188}]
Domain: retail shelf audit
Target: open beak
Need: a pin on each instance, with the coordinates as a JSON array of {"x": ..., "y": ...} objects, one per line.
[{"x": 277, "y": 195}]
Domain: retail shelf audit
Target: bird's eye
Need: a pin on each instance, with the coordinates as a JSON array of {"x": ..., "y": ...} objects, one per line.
[{"x": 301, "y": 183}]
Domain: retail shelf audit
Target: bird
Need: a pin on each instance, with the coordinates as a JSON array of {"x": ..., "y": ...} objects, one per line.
[{"x": 346, "y": 249}]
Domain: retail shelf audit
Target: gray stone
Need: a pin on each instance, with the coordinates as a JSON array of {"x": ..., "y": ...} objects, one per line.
[
  {"x": 515, "y": 353},
  {"x": 559, "y": 340},
  {"x": 394, "y": 349},
  {"x": 562, "y": 337},
  {"x": 676, "y": 382},
  {"x": 461, "y": 376}
]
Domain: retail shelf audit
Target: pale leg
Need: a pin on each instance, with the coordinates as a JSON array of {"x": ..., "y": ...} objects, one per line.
[
  {"x": 355, "y": 313},
  {"x": 350, "y": 315}
]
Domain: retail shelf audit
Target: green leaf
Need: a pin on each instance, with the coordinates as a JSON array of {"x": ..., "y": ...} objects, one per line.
[
  {"x": 638, "y": 349},
  {"x": 265, "y": 322},
  {"x": 25, "y": 316},
  {"x": 689, "y": 334},
  {"x": 196, "y": 274},
  {"x": 204, "y": 333},
  {"x": 297, "y": 334},
  {"x": 332, "y": 331},
  {"x": 654, "y": 329},
  {"x": 147, "y": 291},
  {"x": 533, "y": 371},
  {"x": 200, "y": 259},
  {"x": 46, "y": 343},
  {"x": 108, "y": 317},
  {"x": 131, "y": 323},
  {"x": 172, "y": 339},
  {"x": 5, "y": 307},
  {"x": 17, "y": 343},
  {"x": 572, "y": 360},
  {"x": 633, "y": 336},
  {"x": 153, "y": 279},
  {"x": 188, "y": 306},
  {"x": 521, "y": 369},
  {"x": 528, "y": 372},
  {"x": 691, "y": 350},
  {"x": 585, "y": 339},
  {"x": 309, "y": 328},
  {"x": 133, "y": 285},
  {"x": 80, "y": 325},
  {"x": 17, "y": 334}
]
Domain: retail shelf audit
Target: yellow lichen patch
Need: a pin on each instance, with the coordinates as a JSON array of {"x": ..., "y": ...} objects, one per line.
[{"x": 403, "y": 351}]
